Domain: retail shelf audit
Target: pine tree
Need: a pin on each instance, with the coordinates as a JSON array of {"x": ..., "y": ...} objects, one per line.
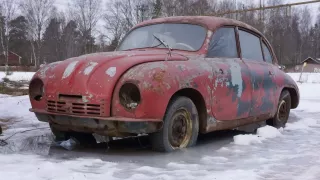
[
  {"x": 18, "y": 39},
  {"x": 51, "y": 42},
  {"x": 70, "y": 40}
]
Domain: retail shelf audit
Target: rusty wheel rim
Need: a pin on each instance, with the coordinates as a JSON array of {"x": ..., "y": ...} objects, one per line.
[
  {"x": 283, "y": 111},
  {"x": 181, "y": 129}
]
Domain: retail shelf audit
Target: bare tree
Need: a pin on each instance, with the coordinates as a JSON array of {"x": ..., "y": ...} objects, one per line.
[
  {"x": 38, "y": 14},
  {"x": 86, "y": 13},
  {"x": 134, "y": 12},
  {"x": 201, "y": 7},
  {"x": 226, "y": 6},
  {"x": 8, "y": 11},
  {"x": 122, "y": 15},
  {"x": 305, "y": 27},
  {"x": 115, "y": 23}
]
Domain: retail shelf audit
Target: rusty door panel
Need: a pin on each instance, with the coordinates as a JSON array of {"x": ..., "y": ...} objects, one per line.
[
  {"x": 232, "y": 89},
  {"x": 262, "y": 77}
]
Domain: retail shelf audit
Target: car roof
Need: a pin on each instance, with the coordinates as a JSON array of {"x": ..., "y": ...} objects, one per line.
[{"x": 210, "y": 22}]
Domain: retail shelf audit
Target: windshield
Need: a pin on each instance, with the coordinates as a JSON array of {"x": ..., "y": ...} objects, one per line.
[{"x": 187, "y": 37}]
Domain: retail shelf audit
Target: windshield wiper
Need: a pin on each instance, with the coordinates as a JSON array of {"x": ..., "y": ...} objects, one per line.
[{"x": 164, "y": 43}]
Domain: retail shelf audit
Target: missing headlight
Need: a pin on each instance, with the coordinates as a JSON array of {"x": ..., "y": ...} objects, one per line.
[
  {"x": 129, "y": 95},
  {"x": 36, "y": 89}
]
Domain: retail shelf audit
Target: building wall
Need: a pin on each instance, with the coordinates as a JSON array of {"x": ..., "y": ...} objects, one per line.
[
  {"x": 13, "y": 60},
  {"x": 311, "y": 68}
]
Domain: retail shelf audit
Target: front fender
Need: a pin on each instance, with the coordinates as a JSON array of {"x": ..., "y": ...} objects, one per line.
[{"x": 158, "y": 82}]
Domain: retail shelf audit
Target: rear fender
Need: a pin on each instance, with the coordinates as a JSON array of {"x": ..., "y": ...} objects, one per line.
[{"x": 285, "y": 82}]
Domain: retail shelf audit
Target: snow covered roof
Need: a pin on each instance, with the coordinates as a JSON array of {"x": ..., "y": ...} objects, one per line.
[
  {"x": 16, "y": 54},
  {"x": 13, "y": 53},
  {"x": 310, "y": 60}
]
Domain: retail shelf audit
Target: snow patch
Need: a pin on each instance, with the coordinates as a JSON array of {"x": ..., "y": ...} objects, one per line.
[
  {"x": 246, "y": 139},
  {"x": 111, "y": 71},
  {"x": 18, "y": 76},
  {"x": 18, "y": 166},
  {"x": 223, "y": 149},
  {"x": 262, "y": 134},
  {"x": 303, "y": 124},
  {"x": 213, "y": 160},
  {"x": 4, "y": 95},
  {"x": 174, "y": 165},
  {"x": 306, "y": 77},
  {"x": 269, "y": 132},
  {"x": 148, "y": 169}
]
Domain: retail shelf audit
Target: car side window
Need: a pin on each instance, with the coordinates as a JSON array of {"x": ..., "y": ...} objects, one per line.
[
  {"x": 223, "y": 44},
  {"x": 250, "y": 46},
  {"x": 266, "y": 52}
]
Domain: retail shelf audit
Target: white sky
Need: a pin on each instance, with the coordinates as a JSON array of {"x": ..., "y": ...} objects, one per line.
[{"x": 62, "y": 4}]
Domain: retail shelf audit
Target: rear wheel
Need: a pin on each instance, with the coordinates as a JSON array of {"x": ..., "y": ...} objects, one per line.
[
  {"x": 82, "y": 138},
  {"x": 180, "y": 128},
  {"x": 283, "y": 111}
]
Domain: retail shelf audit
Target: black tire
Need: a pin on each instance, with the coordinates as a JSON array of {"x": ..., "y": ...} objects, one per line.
[
  {"x": 82, "y": 138},
  {"x": 180, "y": 126},
  {"x": 283, "y": 110}
]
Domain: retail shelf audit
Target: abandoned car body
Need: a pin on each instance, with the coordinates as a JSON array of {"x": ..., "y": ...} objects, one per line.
[{"x": 171, "y": 78}]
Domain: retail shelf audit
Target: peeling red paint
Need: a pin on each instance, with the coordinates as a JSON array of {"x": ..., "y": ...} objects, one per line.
[{"x": 235, "y": 91}]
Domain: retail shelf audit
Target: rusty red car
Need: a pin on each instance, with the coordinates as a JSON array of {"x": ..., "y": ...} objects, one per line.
[{"x": 171, "y": 78}]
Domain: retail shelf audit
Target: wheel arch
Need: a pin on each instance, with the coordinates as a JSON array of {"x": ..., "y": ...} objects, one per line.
[
  {"x": 294, "y": 96},
  {"x": 197, "y": 98}
]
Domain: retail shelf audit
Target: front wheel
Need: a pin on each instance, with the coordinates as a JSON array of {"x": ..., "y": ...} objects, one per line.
[
  {"x": 283, "y": 111},
  {"x": 180, "y": 128}
]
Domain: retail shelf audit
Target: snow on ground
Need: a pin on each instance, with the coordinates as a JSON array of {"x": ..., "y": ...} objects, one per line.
[
  {"x": 18, "y": 76},
  {"x": 15, "y": 117},
  {"x": 306, "y": 77},
  {"x": 270, "y": 154},
  {"x": 263, "y": 133}
]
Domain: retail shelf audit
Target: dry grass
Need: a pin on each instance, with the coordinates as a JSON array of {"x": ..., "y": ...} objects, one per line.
[
  {"x": 12, "y": 88},
  {"x": 5, "y": 123}
]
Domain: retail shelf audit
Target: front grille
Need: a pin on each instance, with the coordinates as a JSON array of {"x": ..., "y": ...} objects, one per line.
[{"x": 74, "y": 108}]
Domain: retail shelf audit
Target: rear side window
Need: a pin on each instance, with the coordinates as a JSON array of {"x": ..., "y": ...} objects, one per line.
[
  {"x": 250, "y": 46},
  {"x": 267, "y": 54},
  {"x": 223, "y": 44}
]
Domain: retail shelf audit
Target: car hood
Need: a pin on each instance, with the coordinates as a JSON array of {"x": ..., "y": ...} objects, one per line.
[{"x": 94, "y": 76}]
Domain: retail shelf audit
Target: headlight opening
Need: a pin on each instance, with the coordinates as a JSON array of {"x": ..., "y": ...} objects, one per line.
[
  {"x": 129, "y": 96},
  {"x": 36, "y": 89}
]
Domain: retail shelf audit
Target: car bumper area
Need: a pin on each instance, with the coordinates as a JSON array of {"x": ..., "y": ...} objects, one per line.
[{"x": 109, "y": 126}]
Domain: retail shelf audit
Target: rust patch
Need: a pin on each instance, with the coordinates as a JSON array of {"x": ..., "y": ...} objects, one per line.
[{"x": 159, "y": 76}]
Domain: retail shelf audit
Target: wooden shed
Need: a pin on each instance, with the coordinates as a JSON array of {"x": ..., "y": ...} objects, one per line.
[
  {"x": 13, "y": 59},
  {"x": 312, "y": 66}
]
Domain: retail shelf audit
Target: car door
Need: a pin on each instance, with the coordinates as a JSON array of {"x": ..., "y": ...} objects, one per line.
[
  {"x": 261, "y": 73},
  {"x": 231, "y": 83},
  {"x": 273, "y": 85}
]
